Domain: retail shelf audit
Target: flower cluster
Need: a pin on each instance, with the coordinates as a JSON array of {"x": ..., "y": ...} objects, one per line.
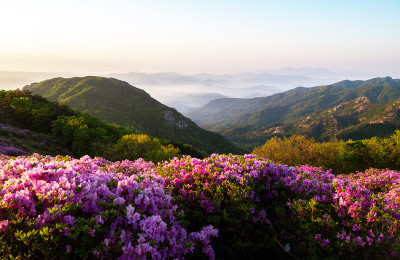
[
  {"x": 13, "y": 130},
  {"x": 5, "y": 141},
  {"x": 11, "y": 150},
  {"x": 342, "y": 214},
  {"x": 359, "y": 211},
  {"x": 220, "y": 206},
  {"x": 122, "y": 207}
]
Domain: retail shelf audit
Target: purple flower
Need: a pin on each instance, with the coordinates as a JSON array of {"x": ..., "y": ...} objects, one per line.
[
  {"x": 70, "y": 220},
  {"x": 359, "y": 241},
  {"x": 119, "y": 201},
  {"x": 342, "y": 235},
  {"x": 91, "y": 232},
  {"x": 355, "y": 227}
]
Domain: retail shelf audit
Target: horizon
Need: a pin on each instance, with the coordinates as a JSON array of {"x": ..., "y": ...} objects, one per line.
[
  {"x": 101, "y": 37},
  {"x": 184, "y": 91}
]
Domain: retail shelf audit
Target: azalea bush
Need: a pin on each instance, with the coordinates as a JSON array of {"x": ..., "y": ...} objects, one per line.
[
  {"x": 58, "y": 207},
  {"x": 11, "y": 150},
  {"x": 227, "y": 207},
  {"x": 264, "y": 209},
  {"x": 236, "y": 194}
]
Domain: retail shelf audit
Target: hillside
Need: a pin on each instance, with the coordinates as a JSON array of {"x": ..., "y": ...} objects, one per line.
[
  {"x": 356, "y": 119},
  {"x": 221, "y": 110},
  {"x": 22, "y": 134},
  {"x": 16, "y": 141},
  {"x": 32, "y": 124},
  {"x": 118, "y": 102},
  {"x": 252, "y": 121}
]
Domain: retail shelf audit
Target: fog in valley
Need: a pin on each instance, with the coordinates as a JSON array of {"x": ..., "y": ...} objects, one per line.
[{"x": 185, "y": 91}]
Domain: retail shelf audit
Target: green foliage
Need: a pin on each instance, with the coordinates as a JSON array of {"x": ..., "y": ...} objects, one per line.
[
  {"x": 86, "y": 135},
  {"x": 136, "y": 146},
  {"x": 340, "y": 156},
  {"x": 80, "y": 133},
  {"x": 31, "y": 111},
  {"x": 185, "y": 149},
  {"x": 299, "y": 150}
]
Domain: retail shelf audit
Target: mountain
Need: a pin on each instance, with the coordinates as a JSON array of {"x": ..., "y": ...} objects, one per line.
[
  {"x": 219, "y": 111},
  {"x": 356, "y": 119},
  {"x": 118, "y": 102},
  {"x": 166, "y": 86},
  {"x": 249, "y": 121}
]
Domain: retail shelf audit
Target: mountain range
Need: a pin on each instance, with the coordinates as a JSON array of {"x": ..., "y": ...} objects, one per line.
[
  {"x": 174, "y": 89},
  {"x": 306, "y": 111},
  {"x": 115, "y": 101}
]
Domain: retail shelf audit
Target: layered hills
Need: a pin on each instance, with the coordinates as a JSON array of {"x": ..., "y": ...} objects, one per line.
[
  {"x": 307, "y": 111},
  {"x": 117, "y": 102}
]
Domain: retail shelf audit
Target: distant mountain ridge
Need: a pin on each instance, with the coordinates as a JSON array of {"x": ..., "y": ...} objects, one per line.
[
  {"x": 166, "y": 86},
  {"x": 248, "y": 121},
  {"x": 118, "y": 102}
]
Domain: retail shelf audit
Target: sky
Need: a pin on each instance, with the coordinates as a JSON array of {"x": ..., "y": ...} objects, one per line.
[{"x": 187, "y": 36}]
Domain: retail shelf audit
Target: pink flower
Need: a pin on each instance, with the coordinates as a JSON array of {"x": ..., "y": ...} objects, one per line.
[
  {"x": 91, "y": 232},
  {"x": 342, "y": 235},
  {"x": 359, "y": 241},
  {"x": 96, "y": 253},
  {"x": 356, "y": 227},
  {"x": 3, "y": 225},
  {"x": 371, "y": 233}
]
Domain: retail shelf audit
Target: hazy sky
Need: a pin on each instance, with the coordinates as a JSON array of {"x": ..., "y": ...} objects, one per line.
[{"x": 199, "y": 36}]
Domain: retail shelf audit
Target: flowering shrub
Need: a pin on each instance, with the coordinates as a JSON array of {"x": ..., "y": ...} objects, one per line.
[
  {"x": 5, "y": 141},
  {"x": 58, "y": 207},
  {"x": 258, "y": 207},
  {"x": 12, "y": 151},
  {"x": 8, "y": 129},
  {"x": 221, "y": 206}
]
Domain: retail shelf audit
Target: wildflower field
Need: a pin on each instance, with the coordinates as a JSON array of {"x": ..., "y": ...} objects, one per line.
[{"x": 223, "y": 207}]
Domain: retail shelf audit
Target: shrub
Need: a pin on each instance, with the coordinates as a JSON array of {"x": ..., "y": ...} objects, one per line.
[
  {"x": 61, "y": 208},
  {"x": 57, "y": 207},
  {"x": 135, "y": 146},
  {"x": 264, "y": 209},
  {"x": 338, "y": 155}
]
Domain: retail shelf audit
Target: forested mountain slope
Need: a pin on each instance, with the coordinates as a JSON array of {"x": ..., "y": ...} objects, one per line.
[
  {"x": 118, "y": 102},
  {"x": 252, "y": 121}
]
